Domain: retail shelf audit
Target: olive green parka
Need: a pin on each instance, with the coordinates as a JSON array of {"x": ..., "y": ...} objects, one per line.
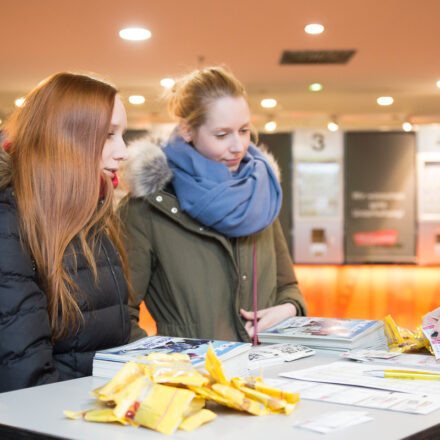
[{"x": 193, "y": 279}]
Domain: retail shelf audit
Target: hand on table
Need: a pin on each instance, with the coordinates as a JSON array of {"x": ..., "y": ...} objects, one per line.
[{"x": 267, "y": 317}]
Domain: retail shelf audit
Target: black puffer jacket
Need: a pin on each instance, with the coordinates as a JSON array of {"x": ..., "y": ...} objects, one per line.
[{"x": 27, "y": 356}]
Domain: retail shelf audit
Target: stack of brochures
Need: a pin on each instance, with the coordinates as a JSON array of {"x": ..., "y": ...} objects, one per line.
[
  {"x": 328, "y": 333},
  {"x": 234, "y": 355}
]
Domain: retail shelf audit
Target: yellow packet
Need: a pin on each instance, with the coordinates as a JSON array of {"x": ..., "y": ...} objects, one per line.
[
  {"x": 74, "y": 415},
  {"x": 163, "y": 408},
  {"x": 391, "y": 332},
  {"x": 128, "y": 399},
  {"x": 195, "y": 406},
  {"x": 210, "y": 394},
  {"x": 198, "y": 419},
  {"x": 127, "y": 374},
  {"x": 272, "y": 403},
  {"x": 238, "y": 399},
  {"x": 214, "y": 367},
  {"x": 175, "y": 368},
  {"x": 402, "y": 340},
  {"x": 230, "y": 393},
  {"x": 258, "y": 385},
  {"x": 254, "y": 408},
  {"x": 95, "y": 415}
]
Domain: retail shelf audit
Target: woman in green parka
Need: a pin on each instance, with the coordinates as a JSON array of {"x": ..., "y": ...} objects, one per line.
[{"x": 206, "y": 249}]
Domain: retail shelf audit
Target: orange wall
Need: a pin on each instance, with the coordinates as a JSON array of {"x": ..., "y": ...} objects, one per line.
[
  {"x": 371, "y": 291},
  {"x": 362, "y": 291}
]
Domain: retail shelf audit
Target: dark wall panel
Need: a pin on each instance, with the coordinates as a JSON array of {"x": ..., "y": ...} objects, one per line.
[
  {"x": 380, "y": 207},
  {"x": 280, "y": 145}
]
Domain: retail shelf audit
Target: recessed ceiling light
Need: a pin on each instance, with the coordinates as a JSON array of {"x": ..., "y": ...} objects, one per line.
[
  {"x": 167, "y": 83},
  {"x": 268, "y": 103},
  {"x": 315, "y": 87},
  {"x": 385, "y": 100},
  {"x": 136, "y": 99},
  {"x": 438, "y": 84},
  {"x": 407, "y": 126},
  {"x": 314, "y": 28},
  {"x": 332, "y": 126},
  {"x": 270, "y": 126},
  {"x": 19, "y": 102},
  {"x": 135, "y": 34}
]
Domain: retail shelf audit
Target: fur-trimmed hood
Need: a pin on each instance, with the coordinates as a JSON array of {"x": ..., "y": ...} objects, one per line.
[
  {"x": 5, "y": 169},
  {"x": 146, "y": 170}
]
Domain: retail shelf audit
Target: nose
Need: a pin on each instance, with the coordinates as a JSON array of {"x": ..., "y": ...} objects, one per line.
[
  {"x": 121, "y": 152},
  {"x": 236, "y": 144}
]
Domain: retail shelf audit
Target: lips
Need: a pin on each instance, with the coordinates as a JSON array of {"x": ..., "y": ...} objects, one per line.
[
  {"x": 110, "y": 172},
  {"x": 233, "y": 162}
]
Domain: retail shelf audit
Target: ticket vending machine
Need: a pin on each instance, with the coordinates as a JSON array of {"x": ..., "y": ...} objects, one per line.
[
  {"x": 428, "y": 180},
  {"x": 318, "y": 197}
]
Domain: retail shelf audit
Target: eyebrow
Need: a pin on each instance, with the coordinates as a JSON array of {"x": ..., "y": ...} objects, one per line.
[{"x": 228, "y": 128}]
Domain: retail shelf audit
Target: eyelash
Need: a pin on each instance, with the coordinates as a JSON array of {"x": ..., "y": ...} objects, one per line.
[{"x": 222, "y": 135}]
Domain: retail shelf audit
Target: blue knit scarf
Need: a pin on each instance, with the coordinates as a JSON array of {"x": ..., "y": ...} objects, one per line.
[{"x": 234, "y": 204}]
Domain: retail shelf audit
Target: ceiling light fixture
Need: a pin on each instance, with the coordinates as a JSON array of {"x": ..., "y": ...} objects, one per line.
[
  {"x": 270, "y": 126},
  {"x": 135, "y": 34},
  {"x": 438, "y": 84},
  {"x": 314, "y": 29},
  {"x": 333, "y": 126},
  {"x": 268, "y": 103},
  {"x": 136, "y": 99},
  {"x": 167, "y": 83},
  {"x": 315, "y": 87},
  {"x": 385, "y": 100},
  {"x": 407, "y": 126},
  {"x": 19, "y": 102}
]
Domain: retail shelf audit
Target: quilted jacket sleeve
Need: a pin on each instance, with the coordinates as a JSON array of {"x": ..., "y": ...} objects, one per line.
[
  {"x": 287, "y": 285},
  {"x": 25, "y": 347}
]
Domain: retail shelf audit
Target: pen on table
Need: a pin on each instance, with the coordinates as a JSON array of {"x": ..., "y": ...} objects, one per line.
[{"x": 401, "y": 374}]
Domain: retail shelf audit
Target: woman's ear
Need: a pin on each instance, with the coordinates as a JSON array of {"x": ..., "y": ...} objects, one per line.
[{"x": 185, "y": 131}]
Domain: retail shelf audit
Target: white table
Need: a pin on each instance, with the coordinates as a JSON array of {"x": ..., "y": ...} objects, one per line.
[{"x": 37, "y": 413}]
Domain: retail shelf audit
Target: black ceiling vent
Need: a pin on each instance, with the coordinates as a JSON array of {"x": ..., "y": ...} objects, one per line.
[{"x": 316, "y": 56}]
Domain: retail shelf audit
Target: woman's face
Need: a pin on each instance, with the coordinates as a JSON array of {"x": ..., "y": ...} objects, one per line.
[
  {"x": 115, "y": 149},
  {"x": 225, "y": 135}
]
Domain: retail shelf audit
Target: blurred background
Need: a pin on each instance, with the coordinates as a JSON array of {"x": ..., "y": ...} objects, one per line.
[{"x": 351, "y": 110}]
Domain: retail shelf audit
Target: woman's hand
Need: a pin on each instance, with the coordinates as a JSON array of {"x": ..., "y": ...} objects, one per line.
[
  {"x": 433, "y": 318},
  {"x": 267, "y": 317}
]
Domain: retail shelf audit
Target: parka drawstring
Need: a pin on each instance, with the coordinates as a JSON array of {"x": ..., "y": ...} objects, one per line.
[{"x": 255, "y": 293}]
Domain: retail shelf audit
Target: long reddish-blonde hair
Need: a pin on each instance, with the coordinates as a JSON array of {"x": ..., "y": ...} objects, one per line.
[{"x": 57, "y": 138}]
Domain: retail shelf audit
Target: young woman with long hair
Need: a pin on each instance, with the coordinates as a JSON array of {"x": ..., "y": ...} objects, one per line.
[
  {"x": 63, "y": 268},
  {"x": 206, "y": 249}
]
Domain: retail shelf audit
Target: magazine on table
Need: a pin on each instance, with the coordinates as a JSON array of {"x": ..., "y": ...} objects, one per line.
[
  {"x": 327, "y": 333},
  {"x": 272, "y": 354},
  {"x": 234, "y": 355}
]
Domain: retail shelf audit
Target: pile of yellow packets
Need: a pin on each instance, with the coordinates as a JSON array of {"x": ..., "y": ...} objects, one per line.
[
  {"x": 165, "y": 392},
  {"x": 402, "y": 340}
]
